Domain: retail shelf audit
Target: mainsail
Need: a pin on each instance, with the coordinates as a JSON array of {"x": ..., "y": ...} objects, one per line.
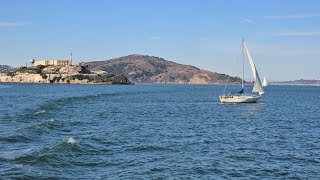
[
  {"x": 239, "y": 97},
  {"x": 257, "y": 87}
]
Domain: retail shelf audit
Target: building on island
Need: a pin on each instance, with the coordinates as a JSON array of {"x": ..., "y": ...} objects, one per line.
[{"x": 54, "y": 62}]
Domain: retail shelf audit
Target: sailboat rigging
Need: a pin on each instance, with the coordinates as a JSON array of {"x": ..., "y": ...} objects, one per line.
[{"x": 240, "y": 97}]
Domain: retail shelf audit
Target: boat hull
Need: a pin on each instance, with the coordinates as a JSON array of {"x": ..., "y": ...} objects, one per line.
[{"x": 239, "y": 99}]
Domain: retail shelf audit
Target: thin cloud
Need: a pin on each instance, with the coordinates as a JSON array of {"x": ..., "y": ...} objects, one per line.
[
  {"x": 247, "y": 20},
  {"x": 204, "y": 39},
  {"x": 292, "y": 34},
  {"x": 154, "y": 38},
  {"x": 12, "y": 24},
  {"x": 295, "y": 16}
]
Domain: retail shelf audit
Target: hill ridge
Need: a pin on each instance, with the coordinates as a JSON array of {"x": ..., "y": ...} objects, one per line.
[
  {"x": 5, "y": 68},
  {"x": 152, "y": 69}
]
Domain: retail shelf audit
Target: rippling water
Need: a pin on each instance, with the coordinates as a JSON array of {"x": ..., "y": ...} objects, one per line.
[{"x": 157, "y": 132}]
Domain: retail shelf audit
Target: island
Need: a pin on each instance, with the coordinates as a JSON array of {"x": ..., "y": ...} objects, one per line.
[
  {"x": 122, "y": 70},
  {"x": 152, "y": 69},
  {"x": 61, "y": 74}
]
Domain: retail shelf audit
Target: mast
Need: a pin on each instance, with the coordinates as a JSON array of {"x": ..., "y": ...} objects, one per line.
[{"x": 242, "y": 63}]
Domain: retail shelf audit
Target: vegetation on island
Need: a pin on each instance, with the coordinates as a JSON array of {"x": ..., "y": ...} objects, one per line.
[
  {"x": 152, "y": 69},
  {"x": 31, "y": 70},
  {"x": 63, "y": 74}
]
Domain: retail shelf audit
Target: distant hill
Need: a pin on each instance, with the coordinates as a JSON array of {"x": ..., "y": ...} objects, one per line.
[
  {"x": 5, "y": 68},
  {"x": 298, "y": 82},
  {"x": 151, "y": 69}
]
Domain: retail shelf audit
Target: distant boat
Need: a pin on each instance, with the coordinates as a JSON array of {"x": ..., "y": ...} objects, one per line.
[
  {"x": 264, "y": 82},
  {"x": 240, "y": 97}
]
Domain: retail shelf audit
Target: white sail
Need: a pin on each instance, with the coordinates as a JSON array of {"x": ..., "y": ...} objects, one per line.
[
  {"x": 264, "y": 82},
  {"x": 257, "y": 87},
  {"x": 241, "y": 97}
]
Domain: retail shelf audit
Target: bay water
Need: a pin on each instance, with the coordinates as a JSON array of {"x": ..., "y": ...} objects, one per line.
[{"x": 154, "y": 131}]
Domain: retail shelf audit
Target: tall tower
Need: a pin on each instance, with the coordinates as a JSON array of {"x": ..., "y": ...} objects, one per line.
[{"x": 70, "y": 60}]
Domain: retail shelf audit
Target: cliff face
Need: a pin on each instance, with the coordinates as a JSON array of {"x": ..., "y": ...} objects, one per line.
[{"x": 150, "y": 69}]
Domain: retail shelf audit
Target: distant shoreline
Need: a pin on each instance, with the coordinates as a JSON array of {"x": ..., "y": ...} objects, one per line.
[
  {"x": 139, "y": 83},
  {"x": 284, "y": 84}
]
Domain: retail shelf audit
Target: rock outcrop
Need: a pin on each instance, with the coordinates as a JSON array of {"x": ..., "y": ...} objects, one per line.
[
  {"x": 61, "y": 75},
  {"x": 65, "y": 78},
  {"x": 150, "y": 69}
]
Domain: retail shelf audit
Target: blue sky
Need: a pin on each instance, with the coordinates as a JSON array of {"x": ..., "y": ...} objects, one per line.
[{"x": 282, "y": 35}]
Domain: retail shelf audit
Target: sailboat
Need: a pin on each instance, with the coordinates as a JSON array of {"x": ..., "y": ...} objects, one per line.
[
  {"x": 264, "y": 82},
  {"x": 240, "y": 96}
]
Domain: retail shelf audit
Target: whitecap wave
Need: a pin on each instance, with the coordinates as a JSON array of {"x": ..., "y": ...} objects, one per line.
[
  {"x": 71, "y": 141},
  {"x": 40, "y": 112}
]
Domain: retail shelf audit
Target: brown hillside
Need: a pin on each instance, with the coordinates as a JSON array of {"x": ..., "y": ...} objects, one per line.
[{"x": 150, "y": 69}]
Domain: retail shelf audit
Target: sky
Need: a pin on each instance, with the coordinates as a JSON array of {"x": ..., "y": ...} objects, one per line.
[{"x": 283, "y": 35}]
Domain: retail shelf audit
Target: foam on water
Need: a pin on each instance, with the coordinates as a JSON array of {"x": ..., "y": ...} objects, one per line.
[
  {"x": 40, "y": 112},
  {"x": 18, "y": 165},
  {"x": 71, "y": 140}
]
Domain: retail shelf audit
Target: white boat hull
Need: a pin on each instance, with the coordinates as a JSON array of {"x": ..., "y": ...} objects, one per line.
[{"x": 239, "y": 99}]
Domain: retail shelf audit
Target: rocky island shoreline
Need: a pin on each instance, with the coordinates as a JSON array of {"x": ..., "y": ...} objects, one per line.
[{"x": 75, "y": 74}]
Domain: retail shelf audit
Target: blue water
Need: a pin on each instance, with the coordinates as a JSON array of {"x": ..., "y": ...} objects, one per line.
[{"x": 157, "y": 132}]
